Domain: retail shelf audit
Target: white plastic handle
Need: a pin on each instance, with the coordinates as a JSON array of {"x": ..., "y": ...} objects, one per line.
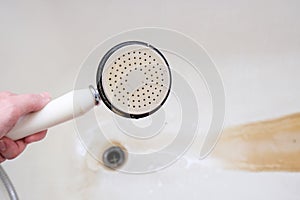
[{"x": 62, "y": 109}]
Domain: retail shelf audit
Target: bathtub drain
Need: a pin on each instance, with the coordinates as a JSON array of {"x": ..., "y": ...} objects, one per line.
[{"x": 113, "y": 157}]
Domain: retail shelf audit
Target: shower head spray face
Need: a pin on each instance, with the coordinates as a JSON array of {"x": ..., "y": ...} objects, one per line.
[{"x": 133, "y": 79}]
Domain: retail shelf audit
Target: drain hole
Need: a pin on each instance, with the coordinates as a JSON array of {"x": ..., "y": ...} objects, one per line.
[{"x": 113, "y": 157}]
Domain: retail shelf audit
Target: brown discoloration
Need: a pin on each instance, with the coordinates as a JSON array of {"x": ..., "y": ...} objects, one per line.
[{"x": 272, "y": 145}]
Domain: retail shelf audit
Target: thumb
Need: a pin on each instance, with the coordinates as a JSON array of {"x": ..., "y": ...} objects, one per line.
[{"x": 27, "y": 103}]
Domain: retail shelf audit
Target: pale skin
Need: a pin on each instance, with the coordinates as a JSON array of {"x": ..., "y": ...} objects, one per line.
[{"x": 12, "y": 108}]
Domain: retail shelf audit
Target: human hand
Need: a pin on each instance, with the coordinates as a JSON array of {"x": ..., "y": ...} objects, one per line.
[{"x": 12, "y": 107}]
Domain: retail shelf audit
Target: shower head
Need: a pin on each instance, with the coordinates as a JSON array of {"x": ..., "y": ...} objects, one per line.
[{"x": 133, "y": 79}]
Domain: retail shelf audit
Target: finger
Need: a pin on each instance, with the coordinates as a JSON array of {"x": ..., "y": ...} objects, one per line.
[
  {"x": 35, "y": 137},
  {"x": 6, "y": 94},
  {"x": 2, "y": 159},
  {"x": 11, "y": 149},
  {"x": 27, "y": 103}
]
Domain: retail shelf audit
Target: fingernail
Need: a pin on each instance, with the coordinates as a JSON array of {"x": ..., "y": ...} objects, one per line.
[
  {"x": 46, "y": 96},
  {"x": 2, "y": 145}
]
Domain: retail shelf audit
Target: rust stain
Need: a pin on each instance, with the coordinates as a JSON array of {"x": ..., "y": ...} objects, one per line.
[{"x": 272, "y": 145}]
